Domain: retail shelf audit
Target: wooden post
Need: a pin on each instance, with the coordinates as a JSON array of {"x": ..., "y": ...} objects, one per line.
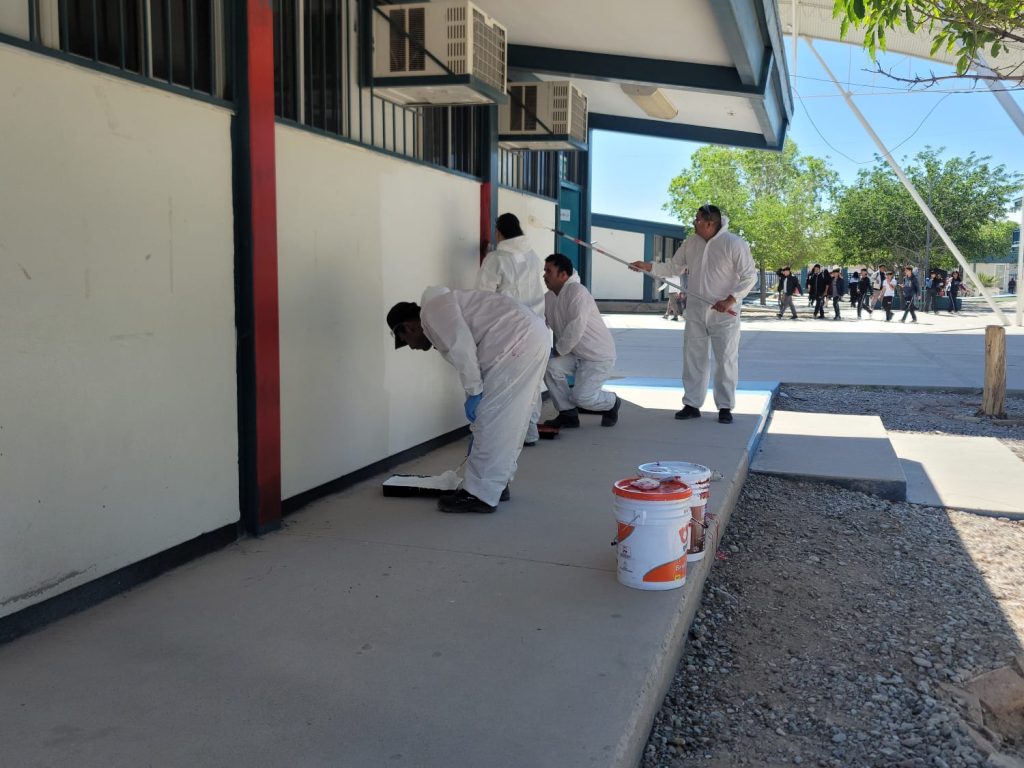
[{"x": 994, "y": 397}]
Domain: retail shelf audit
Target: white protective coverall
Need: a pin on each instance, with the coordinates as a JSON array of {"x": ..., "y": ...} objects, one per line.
[
  {"x": 498, "y": 347},
  {"x": 514, "y": 269},
  {"x": 585, "y": 347},
  {"x": 719, "y": 267}
]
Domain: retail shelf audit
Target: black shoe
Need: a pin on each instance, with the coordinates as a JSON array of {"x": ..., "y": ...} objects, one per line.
[
  {"x": 566, "y": 420},
  {"x": 675, "y": 319},
  {"x": 464, "y": 501},
  {"x": 724, "y": 416},
  {"x": 506, "y": 495},
  {"x": 611, "y": 416},
  {"x": 528, "y": 444},
  {"x": 779, "y": 316},
  {"x": 688, "y": 412}
]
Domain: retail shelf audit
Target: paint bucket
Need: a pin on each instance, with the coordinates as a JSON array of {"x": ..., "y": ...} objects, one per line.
[
  {"x": 698, "y": 477},
  {"x": 654, "y": 532}
]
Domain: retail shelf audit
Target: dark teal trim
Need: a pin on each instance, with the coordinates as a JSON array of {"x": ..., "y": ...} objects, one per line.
[
  {"x": 587, "y": 174},
  {"x": 110, "y": 69},
  {"x": 648, "y": 256},
  {"x": 300, "y": 500},
  {"x": 707, "y": 78},
  {"x": 379, "y": 150},
  {"x": 696, "y": 133},
  {"x": 76, "y": 600},
  {"x": 640, "y": 225}
]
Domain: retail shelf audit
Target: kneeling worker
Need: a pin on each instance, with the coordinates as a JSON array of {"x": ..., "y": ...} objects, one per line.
[
  {"x": 498, "y": 347},
  {"x": 583, "y": 347}
]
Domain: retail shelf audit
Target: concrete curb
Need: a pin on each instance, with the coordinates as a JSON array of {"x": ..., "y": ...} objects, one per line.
[{"x": 629, "y": 751}]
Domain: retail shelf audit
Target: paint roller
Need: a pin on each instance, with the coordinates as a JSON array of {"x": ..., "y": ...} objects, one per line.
[{"x": 534, "y": 222}]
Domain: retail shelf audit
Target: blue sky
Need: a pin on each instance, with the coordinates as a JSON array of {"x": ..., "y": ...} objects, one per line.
[{"x": 632, "y": 173}]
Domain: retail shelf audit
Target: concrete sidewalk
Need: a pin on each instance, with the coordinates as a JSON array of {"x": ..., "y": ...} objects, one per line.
[
  {"x": 938, "y": 351},
  {"x": 850, "y": 451},
  {"x": 380, "y": 632}
]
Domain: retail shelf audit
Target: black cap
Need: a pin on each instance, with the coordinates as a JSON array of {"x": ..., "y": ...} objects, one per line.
[{"x": 402, "y": 311}]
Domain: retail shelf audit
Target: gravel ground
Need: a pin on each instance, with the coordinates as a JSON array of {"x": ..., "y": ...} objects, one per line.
[
  {"x": 901, "y": 410},
  {"x": 839, "y": 629}
]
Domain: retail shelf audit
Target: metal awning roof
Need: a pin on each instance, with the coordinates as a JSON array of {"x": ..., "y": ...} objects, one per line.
[
  {"x": 814, "y": 19},
  {"x": 719, "y": 63}
]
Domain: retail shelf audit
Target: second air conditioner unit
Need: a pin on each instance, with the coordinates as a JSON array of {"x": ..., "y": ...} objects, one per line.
[
  {"x": 544, "y": 115},
  {"x": 434, "y": 54}
]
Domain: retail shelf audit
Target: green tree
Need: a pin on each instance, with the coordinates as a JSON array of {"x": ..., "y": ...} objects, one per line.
[
  {"x": 968, "y": 29},
  {"x": 877, "y": 220},
  {"x": 778, "y": 201}
]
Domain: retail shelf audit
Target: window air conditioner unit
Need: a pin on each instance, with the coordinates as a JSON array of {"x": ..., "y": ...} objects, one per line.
[
  {"x": 543, "y": 115},
  {"x": 435, "y": 54}
]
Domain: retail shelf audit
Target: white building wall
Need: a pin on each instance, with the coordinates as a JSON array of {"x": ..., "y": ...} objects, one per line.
[
  {"x": 14, "y": 18},
  {"x": 536, "y": 216},
  {"x": 357, "y": 232},
  {"x": 118, "y": 419},
  {"x": 609, "y": 278}
]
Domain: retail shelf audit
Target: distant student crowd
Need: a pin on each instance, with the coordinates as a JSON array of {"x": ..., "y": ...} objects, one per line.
[{"x": 868, "y": 292}]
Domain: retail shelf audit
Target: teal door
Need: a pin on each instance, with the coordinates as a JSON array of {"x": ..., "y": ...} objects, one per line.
[{"x": 571, "y": 223}]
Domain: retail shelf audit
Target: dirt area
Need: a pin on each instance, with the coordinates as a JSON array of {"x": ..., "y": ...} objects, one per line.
[{"x": 839, "y": 629}]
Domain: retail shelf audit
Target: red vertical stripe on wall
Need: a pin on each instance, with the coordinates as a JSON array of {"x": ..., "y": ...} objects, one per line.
[
  {"x": 260, "y": 82},
  {"x": 485, "y": 218}
]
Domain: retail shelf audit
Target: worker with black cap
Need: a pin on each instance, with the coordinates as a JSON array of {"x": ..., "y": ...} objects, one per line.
[{"x": 500, "y": 349}]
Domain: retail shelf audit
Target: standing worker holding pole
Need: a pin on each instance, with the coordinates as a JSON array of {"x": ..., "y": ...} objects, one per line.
[{"x": 722, "y": 269}]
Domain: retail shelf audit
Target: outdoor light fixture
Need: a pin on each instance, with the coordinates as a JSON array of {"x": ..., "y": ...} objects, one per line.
[{"x": 651, "y": 100}]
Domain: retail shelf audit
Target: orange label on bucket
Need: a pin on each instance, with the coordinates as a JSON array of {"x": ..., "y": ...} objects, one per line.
[
  {"x": 625, "y": 530},
  {"x": 673, "y": 571}
]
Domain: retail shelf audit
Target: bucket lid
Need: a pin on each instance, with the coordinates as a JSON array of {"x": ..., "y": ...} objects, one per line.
[
  {"x": 652, "y": 489},
  {"x": 675, "y": 469}
]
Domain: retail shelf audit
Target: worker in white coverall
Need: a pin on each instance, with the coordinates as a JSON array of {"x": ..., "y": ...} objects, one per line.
[
  {"x": 584, "y": 348},
  {"x": 499, "y": 349},
  {"x": 514, "y": 269},
  {"x": 721, "y": 273}
]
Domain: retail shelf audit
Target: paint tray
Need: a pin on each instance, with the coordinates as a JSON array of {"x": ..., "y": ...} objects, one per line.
[{"x": 421, "y": 485}]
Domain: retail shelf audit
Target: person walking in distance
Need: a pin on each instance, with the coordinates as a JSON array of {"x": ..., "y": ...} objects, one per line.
[
  {"x": 837, "y": 289},
  {"x": 817, "y": 287},
  {"x": 876, "y": 286},
  {"x": 721, "y": 273},
  {"x": 911, "y": 290},
  {"x": 864, "y": 293},
  {"x": 953, "y": 290},
  {"x": 931, "y": 292},
  {"x": 888, "y": 293},
  {"x": 789, "y": 284}
]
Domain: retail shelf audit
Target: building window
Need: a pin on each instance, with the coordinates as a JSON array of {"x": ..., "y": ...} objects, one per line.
[
  {"x": 180, "y": 42},
  {"x": 316, "y": 83}
]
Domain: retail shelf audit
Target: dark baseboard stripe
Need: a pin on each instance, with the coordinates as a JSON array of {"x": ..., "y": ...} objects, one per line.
[
  {"x": 297, "y": 502},
  {"x": 87, "y": 595}
]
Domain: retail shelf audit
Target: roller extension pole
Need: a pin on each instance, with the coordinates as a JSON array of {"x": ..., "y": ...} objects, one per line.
[
  {"x": 590, "y": 246},
  {"x": 910, "y": 188}
]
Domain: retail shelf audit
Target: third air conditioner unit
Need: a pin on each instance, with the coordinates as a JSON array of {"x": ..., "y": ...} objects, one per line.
[
  {"x": 433, "y": 54},
  {"x": 543, "y": 115}
]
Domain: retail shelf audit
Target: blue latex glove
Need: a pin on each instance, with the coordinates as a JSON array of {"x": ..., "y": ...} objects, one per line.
[{"x": 471, "y": 403}]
